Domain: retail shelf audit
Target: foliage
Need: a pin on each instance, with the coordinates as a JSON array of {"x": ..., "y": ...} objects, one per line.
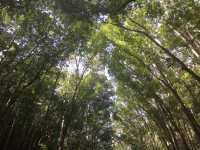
[{"x": 107, "y": 74}]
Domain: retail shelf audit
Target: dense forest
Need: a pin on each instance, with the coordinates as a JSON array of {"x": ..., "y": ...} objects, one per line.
[{"x": 99, "y": 74}]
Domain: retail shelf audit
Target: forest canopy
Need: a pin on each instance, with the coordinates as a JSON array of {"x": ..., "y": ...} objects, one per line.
[{"x": 99, "y": 75}]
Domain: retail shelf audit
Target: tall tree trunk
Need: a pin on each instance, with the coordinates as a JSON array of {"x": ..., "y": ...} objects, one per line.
[
  {"x": 187, "y": 112},
  {"x": 188, "y": 38},
  {"x": 168, "y": 113},
  {"x": 63, "y": 131},
  {"x": 9, "y": 135},
  {"x": 166, "y": 50}
]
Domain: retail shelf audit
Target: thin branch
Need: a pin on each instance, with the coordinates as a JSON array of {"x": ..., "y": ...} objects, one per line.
[{"x": 166, "y": 50}]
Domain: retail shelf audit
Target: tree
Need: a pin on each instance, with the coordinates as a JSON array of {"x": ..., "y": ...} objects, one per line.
[{"x": 107, "y": 74}]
